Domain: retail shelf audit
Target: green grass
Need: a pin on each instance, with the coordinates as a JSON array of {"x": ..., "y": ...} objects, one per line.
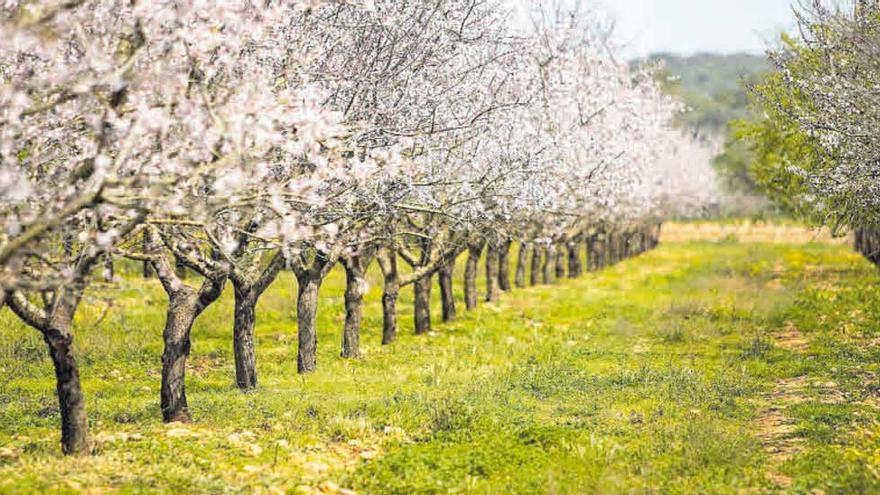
[{"x": 649, "y": 377}]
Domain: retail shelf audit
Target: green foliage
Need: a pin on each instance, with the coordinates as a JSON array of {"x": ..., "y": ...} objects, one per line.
[
  {"x": 712, "y": 87},
  {"x": 714, "y": 90}
]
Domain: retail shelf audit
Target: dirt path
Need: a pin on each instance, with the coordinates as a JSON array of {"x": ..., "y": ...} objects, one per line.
[
  {"x": 775, "y": 429},
  {"x": 746, "y": 232}
]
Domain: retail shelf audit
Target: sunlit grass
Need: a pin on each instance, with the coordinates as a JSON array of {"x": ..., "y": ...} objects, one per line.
[{"x": 645, "y": 378}]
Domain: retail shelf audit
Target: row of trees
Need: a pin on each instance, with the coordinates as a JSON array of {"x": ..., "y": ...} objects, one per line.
[
  {"x": 238, "y": 139},
  {"x": 817, "y": 147}
]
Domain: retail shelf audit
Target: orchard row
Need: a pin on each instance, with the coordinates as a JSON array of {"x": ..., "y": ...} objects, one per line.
[{"x": 237, "y": 139}]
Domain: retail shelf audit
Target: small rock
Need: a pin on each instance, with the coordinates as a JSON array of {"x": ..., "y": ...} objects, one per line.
[
  {"x": 8, "y": 453},
  {"x": 316, "y": 467},
  {"x": 253, "y": 449},
  {"x": 368, "y": 455},
  {"x": 178, "y": 433},
  {"x": 329, "y": 487}
]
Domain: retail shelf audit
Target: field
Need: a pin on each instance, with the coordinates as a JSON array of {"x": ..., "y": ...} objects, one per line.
[{"x": 706, "y": 366}]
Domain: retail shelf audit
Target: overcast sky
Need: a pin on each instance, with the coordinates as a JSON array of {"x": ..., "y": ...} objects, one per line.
[{"x": 691, "y": 26}]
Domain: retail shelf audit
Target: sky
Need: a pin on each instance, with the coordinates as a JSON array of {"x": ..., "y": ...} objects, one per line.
[{"x": 691, "y": 26}]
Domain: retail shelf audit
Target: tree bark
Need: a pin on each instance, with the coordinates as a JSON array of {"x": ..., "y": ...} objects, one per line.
[
  {"x": 248, "y": 287},
  {"x": 109, "y": 270},
  {"x": 605, "y": 254},
  {"x": 390, "y": 293},
  {"x": 355, "y": 288},
  {"x": 560, "y": 261},
  {"x": 591, "y": 253},
  {"x": 72, "y": 404},
  {"x": 309, "y": 284},
  {"x": 180, "y": 268},
  {"x": 504, "y": 266},
  {"x": 53, "y": 322},
  {"x": 536, "y": 265},
  {"x": 422, "y": 305},
  {"x": 447, "y": 297},
  {"x": 548, "y": 264},
  {"x": 181, "y": 314},
  {"x": 521, "y": 261},
  {"x": 492, "y": 256},
  {"x": 243, "y": 341},
  {"x": 147, "y": 268},
  {"x": 575, "y": 265},
  {"x": 475, "y": 249}
]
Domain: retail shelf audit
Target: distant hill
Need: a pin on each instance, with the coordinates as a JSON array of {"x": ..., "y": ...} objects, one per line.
[
  {"x": 712, "y": 86},
  {"x": 714, "y": 89}
]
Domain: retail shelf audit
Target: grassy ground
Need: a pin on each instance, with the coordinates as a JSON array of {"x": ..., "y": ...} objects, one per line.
[{"x": 698, "y": 368}]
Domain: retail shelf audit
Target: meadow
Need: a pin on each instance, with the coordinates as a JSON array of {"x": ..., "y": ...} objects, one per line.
[{"x": 705, "y": 366}]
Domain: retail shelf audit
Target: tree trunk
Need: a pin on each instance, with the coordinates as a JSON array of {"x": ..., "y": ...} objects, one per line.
[
  {"x": 355, "y": 289},
  {"x": 591, "y": 254},
  {"x": 53, "y": 322},
  {"x": 179, "y": 268},
  {"x": 390, "y": 293},
  {"x": 575, "y": 265},
  {"x": 620, "y": 247},
  {"x": 422, "y": 305},
  {"x": 148, "y": 267},
  {"x": 504, "y": 266},
  {"x": 521, "y": 261},
  {"x": 492, "y": 256},
  {"x": 605, "y": 251},
  {"x": 447, "y": 297},
  {"x": 548, "y": 264},
  {"x": 72, "y": 404},
  {"x": 243, "y": 342},
  {"x": 536, "y": 265},
  {"x": 182, "y": 312},
  {"x": 560, "y": 261},
  {"x": 309, "y": 283},
  {"x": 109, "y": 270},
  {"x": 470, "y": 275}
]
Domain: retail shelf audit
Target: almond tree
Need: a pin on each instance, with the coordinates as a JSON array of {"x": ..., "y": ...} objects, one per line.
[
  {"x": 112, "y": 113},
  {"x": 821, "y": 110}
]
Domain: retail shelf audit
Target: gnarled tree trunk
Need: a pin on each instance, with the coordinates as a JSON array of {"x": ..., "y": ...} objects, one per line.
[
  {"x": 355, "y": 288},
  {"x": 181, "y": 314},
  {"x": 475, "y": 249},
  {"x": 492, "y": 273},
  {"x": 521, "y": 260},
  {"x": 72, "y": 404},
  {"x": 185, "y": 304},
  {"x": 504, "y": 265},
  {"x": 53, "y": 322},
  {"x": 447, "y": 296},
  {"x": 548, "y": 264},
  {"x": 247, "y": 288},
  {"x": 390, "y": 292},
  {"x": 535, "y": 277},
  {"x": 575, "y": 265},
  {"x": 243, "y": 345},
  {"x": 309, "y": 283},
  {"x": 560, "y": 261},
  {"x": 422, "y": 305}
]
